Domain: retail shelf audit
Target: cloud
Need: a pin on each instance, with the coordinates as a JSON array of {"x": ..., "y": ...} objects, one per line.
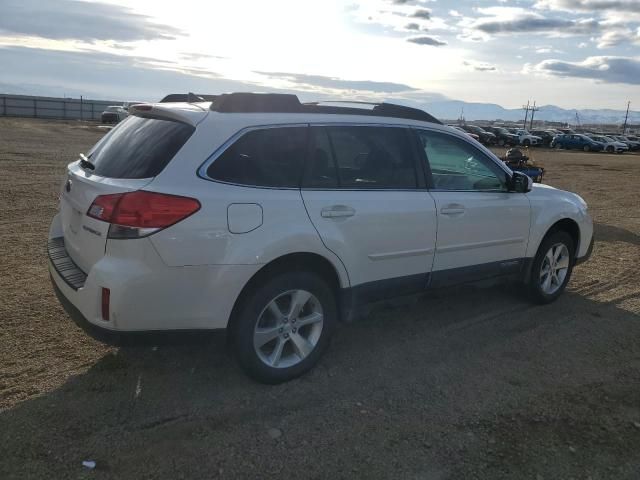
[
  {"x": 479, "y": 66},
  {"x": 79, "y": 20},
  {"x": 412, "y": 26},
  {"x": 529, "y": 23},
  {"x": 337, "y": 83},
  {"x": 194, "y": 56},
  {"x": 105, "y": 75},
  {"x": 546, "y": 49},
  {"x": 618, "y": 36},
  {"x": 425, "y": 40},
  {"x": 588, "y": 5},
  {"x": 423, "y": 13},
  {"x": 605, "y": 69}
]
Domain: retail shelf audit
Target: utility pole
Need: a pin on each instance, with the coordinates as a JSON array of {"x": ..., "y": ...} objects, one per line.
[
  {"x": 526, "y": 113},
  {"x": 626, "y": 117},
  {"x": 534, "y": 109}
]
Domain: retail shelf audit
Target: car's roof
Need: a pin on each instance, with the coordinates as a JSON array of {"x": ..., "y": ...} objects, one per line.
[{"x": 196, "y": 111}]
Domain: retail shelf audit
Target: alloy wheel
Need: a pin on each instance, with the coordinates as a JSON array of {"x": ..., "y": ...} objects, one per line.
[
  {"x": 288, "y": 329},
  {"x": 554, "y": 268}
]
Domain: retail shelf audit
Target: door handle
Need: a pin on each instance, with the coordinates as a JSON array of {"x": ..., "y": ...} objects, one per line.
[
  {"x": 337, "y": 211},
  {"x": 452, "y": 209}
]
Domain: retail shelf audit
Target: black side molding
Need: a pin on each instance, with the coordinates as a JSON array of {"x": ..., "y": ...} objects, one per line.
[{"x": 588, "y": 254}]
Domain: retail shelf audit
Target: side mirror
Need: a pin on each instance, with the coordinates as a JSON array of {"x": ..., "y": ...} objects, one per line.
[{"x": 520, "y": 183}]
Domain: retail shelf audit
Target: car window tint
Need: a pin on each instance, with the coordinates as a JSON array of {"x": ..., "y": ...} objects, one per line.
[
  {"x": 269, "y": 157},
  {"x": 370, "y": 157},
  {"x": 322, "y": 171},
  {"x": 139, "y": 147},
  {"x": 457, "y": 165}
]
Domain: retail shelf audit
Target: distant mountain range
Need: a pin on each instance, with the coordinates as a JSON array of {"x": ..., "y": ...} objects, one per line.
[
  {"x": 452, "y": 110},
  {"x": 438, "y": 106}
]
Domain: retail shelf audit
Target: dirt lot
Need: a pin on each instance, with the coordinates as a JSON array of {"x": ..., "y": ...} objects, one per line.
[{"x": 469, "y": 384}]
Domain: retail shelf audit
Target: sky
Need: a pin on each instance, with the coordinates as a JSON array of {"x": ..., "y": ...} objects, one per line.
[{"x": 569, "y": 53}]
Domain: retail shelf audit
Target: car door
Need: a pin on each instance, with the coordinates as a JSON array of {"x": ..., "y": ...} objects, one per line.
[
  {"x": 483, "y": 229},
  {"x": 577, "y": 141},
  {"x": 366, "y": 199}
]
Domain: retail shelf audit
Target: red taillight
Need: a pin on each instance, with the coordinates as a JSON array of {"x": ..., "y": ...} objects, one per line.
[
  {"x": 106, "y": 293},
  {"x": 103, "y": 206},
  {"x": 142, "y": 210}
]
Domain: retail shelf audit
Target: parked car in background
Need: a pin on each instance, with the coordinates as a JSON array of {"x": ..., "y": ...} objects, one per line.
[
  {"x": 113, "y": 114},
  {"x": 503, "y": 136},
  {"x": 487, "y": 138},
  {"x": 526, "y": 138},
  {"x": 460, "y": 129},
  {"x": 547, "y": 136},
  {"x": 577, "y": 141},
  {"x": 632, "y": 144},
  {"x": 302, "y": 215},
  {"x": 611, "y": 145}
]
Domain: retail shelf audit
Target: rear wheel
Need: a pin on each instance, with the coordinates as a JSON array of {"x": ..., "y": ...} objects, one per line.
[
  {"x": 284, "y": 326},
  {"x": 587, "y": 148},
  {"x": 501, "y": 142},
  {"x": 526, "y": 142},
  {"x": 552, "y": 267},
  {"x": 610, "y": 149}
]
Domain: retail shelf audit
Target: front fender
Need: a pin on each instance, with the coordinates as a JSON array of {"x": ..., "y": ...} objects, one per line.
[{"x": 549, "y": 206}]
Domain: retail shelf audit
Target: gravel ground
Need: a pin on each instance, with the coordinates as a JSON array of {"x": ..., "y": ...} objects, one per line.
[{"x": 473, "y": 383}]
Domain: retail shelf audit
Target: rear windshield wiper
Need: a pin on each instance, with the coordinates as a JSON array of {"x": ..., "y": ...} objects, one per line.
[{"x": 86, "y": 163}]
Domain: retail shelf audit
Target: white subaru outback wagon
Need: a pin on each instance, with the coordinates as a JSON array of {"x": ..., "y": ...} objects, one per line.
[{"x": 276, "y": 219}]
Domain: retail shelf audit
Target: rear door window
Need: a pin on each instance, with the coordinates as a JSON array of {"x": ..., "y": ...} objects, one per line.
[
  {"x": 268, "y": 157},
  {"x": 139, "y": 147},
  {"x": 362, "y": 157}
]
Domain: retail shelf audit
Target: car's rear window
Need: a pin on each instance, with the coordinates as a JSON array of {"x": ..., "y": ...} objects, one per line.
[{"x": 139, "y": 147}]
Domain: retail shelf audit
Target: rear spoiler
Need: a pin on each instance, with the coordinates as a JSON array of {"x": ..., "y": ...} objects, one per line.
[
  {"x": 188, "y": 98},
  {"x": 191, "y": 114}
]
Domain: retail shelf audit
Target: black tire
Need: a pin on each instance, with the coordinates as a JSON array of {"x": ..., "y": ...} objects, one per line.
[
  {"x": 526, "y": 142},
  {"x": 535, "y": 290},
  {"x": 253, "y": 304},
  {"x": 587, "y": 148},
  {"x": 501, "y": 142}
]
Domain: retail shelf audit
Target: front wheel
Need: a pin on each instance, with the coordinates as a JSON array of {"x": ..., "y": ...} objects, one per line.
[
  {"x": 552, "y": 267},
  {"x": 526, "y": 142},
  {"x": 284, "y": 326}
]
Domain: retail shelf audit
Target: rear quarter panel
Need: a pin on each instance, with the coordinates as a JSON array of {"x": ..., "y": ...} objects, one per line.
[{"x": 205, "y": 237}]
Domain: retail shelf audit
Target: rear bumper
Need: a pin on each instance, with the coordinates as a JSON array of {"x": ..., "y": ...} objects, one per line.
[
  {"x": 109, "y": 118},
  {"x": 146, "y": 295},
  {"x": 130, "y": 338}
]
